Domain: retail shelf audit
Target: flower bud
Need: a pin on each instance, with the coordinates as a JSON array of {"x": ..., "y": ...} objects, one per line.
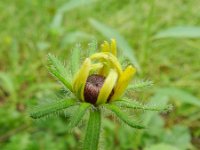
[{"x": 93, "y": 86}]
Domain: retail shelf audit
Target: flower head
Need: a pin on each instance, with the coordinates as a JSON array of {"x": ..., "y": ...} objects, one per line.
[
  {"x": 101, "y": 78},
  {"x": 100, "y": 81}
]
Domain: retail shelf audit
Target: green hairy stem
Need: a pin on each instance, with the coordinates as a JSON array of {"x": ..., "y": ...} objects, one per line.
[
  {"x": 78, "y": 115},
  {"x": 92, "y": 135}
]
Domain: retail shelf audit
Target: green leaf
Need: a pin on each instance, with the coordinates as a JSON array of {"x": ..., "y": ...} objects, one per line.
[
  {"x": 161, "y": 146},
  {"x": 122, "y": 43},
  {"x": 75, "y": 59},
  {"x": 7, "y": 83},
  {"x": 180, "y": 95},
  {"x": 47, "y": 109},
  {"x": 91, "y": 140},
  {"x": 122, "y": 116},
  {"x": 179, "y": 32},
  {"x": 59, "y": 71},
  {"x": 72, "y": 4},
  {"x": 78, "y": 115},
  {"x": 56, "y": 23},
  {"x": 140, "y": 85},
  {"x": 68, "y": 6},
  {"x": 137, "y": 105},
  {"x": 18, "y": 141},
  {"x": 179, "y": 136}
]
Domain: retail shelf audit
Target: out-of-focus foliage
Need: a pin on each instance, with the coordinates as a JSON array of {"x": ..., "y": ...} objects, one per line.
[{"x": 161, "y": 37}]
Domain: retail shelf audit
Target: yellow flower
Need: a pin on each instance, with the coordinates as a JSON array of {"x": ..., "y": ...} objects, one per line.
[{"x": 101, "y": 78}]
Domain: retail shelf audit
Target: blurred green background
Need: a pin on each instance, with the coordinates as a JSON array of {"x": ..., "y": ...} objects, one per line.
[{"x": 163, "y": 38}]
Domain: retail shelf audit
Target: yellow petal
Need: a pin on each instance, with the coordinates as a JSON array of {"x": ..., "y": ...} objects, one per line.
[
  {"x": 105, "y": 47},
  {"x": 81, "y": 77},
  {"x": 106, "y": 56},
  {"x": 107, "y": 87},
  {"x": 123, "y": 82},
  {"x": 95, "y": 67},
  {"x": 105, "y": 69},
  {"x": 113, "y": 47}
]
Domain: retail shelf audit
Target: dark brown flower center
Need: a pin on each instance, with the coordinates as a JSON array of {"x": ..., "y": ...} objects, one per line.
[{"x": 93, "y": 86}]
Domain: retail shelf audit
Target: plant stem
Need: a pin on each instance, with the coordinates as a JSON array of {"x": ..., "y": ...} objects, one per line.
[{"x": 92, "y": 135}]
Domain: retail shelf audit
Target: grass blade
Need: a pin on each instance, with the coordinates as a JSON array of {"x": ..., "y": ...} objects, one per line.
[
  {"x": 180, "y": 95},
  {"x": 72, "y": 4},
  {"x": 59, "y": 71},
  {"x": 122, "y": 116},
  {"x": 45, "y": 110},
  {"x": 7, "y": 83},
  {"x": 76, "y": 118},
  {"x": 122, "y": 43},
  {"x": 93, "y": 131},
  {"x": 56, "y": 23},
  {"x": 179, "y": 32},
  {"x": 68, "y": 6}
]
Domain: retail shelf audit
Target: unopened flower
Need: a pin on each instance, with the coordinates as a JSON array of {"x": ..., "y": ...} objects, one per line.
[
  {"x": 101, "y": 78},
  {"x": 99, "y": 83}
]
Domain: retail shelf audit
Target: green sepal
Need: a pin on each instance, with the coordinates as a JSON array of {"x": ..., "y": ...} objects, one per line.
[
  {"x": 92, "y": 135},
  {"x": 54, "y": 107},
  {"x": 136, "y": 105},
  {"x": 75, "y": 59},
  {"x": 59, "y": 71},
  {"x": 78, "y": 115},
  {"x": 122, "y": 116},
  {"x": 92, "y": 47},
  {"x": 140, "y": 85}
]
